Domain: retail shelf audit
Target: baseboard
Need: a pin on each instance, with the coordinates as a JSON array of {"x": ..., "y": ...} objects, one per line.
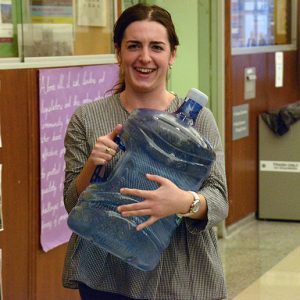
[{"x": 232, "y": 228}]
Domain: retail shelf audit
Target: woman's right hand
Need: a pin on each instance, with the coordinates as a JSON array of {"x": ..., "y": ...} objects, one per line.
[{"x": 105, "y": 148}]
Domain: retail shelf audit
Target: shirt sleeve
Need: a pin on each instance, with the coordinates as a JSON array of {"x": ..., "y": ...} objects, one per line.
[
  {"x": 214, "y": 188},
  {"x": 77, "y": 151}
]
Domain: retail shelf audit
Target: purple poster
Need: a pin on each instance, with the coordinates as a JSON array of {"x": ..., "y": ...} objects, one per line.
[{"x": 61, "y": 91}]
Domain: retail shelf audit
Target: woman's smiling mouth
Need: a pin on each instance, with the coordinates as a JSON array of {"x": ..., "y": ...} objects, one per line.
[{"x": 144, "y": 70}]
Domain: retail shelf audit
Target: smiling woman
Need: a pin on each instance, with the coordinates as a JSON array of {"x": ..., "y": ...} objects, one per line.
[
  {"x": 190, "y": 267},
  {"x": 144, "y": 58}
]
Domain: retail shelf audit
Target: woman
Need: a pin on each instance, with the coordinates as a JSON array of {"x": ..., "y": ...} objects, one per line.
[{"x": 190, "y": 268}]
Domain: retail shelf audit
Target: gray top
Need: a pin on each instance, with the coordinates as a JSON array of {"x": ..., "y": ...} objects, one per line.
[{"x": 190, "y": 268}]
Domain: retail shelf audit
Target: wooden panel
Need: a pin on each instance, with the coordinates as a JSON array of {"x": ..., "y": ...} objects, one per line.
[
  {"x": 14, "y": 238},
  {"x": 49, "y": 273},
  {"x": 33, "y": 173},
  {"x": 242, "y": 155}
]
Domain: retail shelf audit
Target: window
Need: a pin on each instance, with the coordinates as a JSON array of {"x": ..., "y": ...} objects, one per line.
[{"x": 262, "y": 25}]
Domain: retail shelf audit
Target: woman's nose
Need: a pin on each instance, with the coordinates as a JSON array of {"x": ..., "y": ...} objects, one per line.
[{"x": 145, "y": 56}]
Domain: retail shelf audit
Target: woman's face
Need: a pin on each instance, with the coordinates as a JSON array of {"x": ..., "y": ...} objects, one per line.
[{"x": 145, "y": 56}]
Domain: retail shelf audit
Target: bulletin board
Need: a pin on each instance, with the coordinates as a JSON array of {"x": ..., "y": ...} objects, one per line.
[{"x": 61, "y": 91}]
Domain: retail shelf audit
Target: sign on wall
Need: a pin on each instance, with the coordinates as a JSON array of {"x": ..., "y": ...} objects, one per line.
[
  {"x": 61, "y": 91},
  {"x": 240, "y": 121}
]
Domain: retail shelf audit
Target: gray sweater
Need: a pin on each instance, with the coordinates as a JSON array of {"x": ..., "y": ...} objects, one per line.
[{"x": 190, "y": 268}]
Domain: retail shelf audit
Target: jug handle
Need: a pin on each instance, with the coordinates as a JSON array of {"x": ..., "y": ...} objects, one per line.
[{"x": 96, "y": 177}]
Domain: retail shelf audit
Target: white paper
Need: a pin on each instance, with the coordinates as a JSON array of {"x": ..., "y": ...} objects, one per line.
[
  {"x": 280, "y": 166},
  {"x": 91, "y": 13},
  {"x": 278, "y": 69},
  {"x": 47, "y": 39}
]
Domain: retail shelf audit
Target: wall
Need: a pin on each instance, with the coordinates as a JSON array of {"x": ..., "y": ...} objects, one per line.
[
  {"x": 242, "y": 154},
  {"x": 185, "y": 72},
  {"x": 199, "y": 63}
]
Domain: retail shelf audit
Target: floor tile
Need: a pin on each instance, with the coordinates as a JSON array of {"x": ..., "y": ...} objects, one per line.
[
  {"x": 254, "y": 249},
  {"x": 281, "y": 282}
]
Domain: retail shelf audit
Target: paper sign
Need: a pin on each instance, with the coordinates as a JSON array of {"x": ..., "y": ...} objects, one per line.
[
  {"x": 91, "y": 13},
  {"x": 280, "y": 166},
  {"x": 240, "y": 121},
  {"x": 278, "y": 69},
  {"x": 61, "y": 92}
]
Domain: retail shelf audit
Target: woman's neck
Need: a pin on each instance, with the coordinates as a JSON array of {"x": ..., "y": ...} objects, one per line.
[{"x": 157, "y": 100}]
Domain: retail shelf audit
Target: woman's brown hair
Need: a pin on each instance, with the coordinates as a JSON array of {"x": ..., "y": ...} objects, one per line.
[{"x": 141, "y": 12}]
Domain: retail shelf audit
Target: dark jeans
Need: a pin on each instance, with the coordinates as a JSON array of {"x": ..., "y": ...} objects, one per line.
[{"x": 87, "y": 293}]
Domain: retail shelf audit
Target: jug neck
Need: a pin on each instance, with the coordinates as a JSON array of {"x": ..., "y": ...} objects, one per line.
[{"x": 188, "y": 111}]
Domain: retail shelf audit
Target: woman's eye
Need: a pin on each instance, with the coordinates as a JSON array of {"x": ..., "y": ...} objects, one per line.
[
  {"x": 157, "y": 48},
  {"x": 133, "y": 46}
]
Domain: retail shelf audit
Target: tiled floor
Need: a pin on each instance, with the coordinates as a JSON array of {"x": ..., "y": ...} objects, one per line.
[{"x": 262, "y": 261}]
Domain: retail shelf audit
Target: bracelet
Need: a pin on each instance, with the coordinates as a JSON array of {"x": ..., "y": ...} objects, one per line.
[{"x": 194, "y": 207}]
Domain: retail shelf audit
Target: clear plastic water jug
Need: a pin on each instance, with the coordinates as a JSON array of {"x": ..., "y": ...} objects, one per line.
[{"x": 158, "y": 143}]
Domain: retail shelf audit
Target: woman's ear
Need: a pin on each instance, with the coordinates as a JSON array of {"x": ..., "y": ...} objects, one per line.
[
  {"x": 118, "y": 54},
  {"x": 173, "y": 56}
]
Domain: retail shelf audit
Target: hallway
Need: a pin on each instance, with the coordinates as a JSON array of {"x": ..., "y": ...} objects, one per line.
[{"x": 262, "y": 260}]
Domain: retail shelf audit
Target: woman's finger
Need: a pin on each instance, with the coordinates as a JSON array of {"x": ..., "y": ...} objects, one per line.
[
  {"x": 149, "y": 222},
  {"x": 108, "y": 150},
  {"x": 136, "y": 213},
  {"x": 134, "y": 207},
  {"x": 136, "y": 192},
  {"x": 156, "y": 178}
]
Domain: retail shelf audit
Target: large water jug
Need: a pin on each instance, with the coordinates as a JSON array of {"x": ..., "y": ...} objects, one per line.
[{"x": 158, "y": 143}]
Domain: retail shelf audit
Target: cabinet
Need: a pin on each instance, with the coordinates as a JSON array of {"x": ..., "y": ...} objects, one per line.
[{"x": 279, "y": 173}]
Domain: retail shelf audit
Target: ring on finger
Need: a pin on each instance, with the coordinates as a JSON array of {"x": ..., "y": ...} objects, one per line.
[{"x": 108, "y": 150}]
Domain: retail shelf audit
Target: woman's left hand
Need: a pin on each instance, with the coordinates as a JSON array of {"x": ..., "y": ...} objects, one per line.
[{"x": 166, "y": 200}]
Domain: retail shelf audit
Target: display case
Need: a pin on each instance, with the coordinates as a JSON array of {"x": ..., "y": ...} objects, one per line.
[
  {"x": 263, "y": 26},
  {"x": 31, "y": 30},
  {"x": 65, "y": 27}
]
